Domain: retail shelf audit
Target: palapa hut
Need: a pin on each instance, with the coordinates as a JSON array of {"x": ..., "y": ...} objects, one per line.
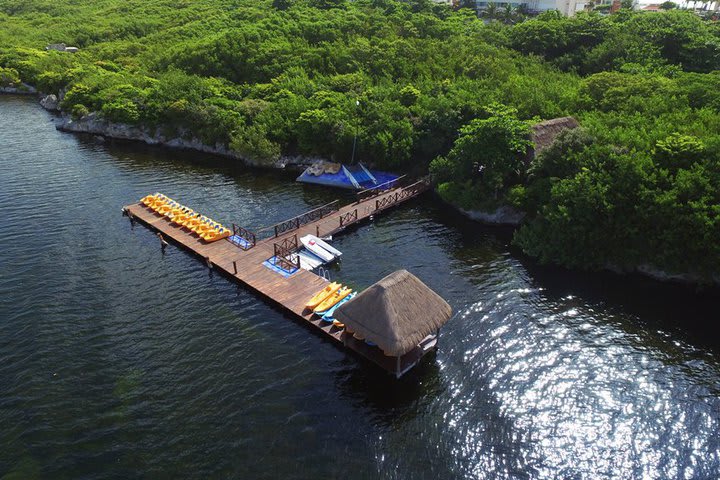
[{"x": 400, "y": 314}]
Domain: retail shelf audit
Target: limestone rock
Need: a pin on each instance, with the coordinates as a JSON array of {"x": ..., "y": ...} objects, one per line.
[
  {"x": 504, "y": 215},
  {"x": 50, "y": 102}
]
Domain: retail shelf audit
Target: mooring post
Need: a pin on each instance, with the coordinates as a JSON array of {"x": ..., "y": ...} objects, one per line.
[
  {"x": 163, "y": 243},
  {"x": 235, "y": 266},
  {"x": 317, "y": 231}
]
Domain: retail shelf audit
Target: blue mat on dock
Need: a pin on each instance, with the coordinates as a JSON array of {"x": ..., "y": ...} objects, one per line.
[
  {"x": 240, "y": 242},
  {"x": 341, "y": 180},
  {"x": 273, "y": 264}
]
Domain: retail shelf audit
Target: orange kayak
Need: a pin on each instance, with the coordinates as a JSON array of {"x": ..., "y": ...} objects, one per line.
[
  {"x": 323, "y": 294},
  {"x": 333, "y": 299}
]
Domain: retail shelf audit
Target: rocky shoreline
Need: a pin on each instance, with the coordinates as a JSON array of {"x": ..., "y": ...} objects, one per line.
[
  {"x": 506, "y": 216},
  {"x": 503, "y": 216},
  {"x": 24, "y": 89},
  {"x": 94, "y": 124}
]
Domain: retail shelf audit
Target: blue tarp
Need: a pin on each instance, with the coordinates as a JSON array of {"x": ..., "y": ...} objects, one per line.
[{"x": 340, "y": 180}]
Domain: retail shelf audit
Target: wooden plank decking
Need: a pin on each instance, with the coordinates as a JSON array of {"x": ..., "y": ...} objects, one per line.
[{"x": 292, "y": 292}]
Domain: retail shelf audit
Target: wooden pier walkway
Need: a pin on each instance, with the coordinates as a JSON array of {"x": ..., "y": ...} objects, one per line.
[{"x": 293, "y": 291}]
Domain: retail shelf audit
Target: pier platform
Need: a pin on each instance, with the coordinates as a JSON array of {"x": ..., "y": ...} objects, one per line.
[{"x": 243, "y": 261}]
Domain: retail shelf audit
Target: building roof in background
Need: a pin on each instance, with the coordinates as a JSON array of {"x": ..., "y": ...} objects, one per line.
[{"x": 544, "y": 133}]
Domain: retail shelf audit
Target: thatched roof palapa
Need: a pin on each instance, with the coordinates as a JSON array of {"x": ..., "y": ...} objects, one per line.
[
  {"x": 396, "y": 313},
  {"x": 544, "y": 133}
]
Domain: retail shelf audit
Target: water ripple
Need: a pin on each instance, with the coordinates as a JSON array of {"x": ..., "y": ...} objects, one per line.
[{"x": 118, "y": 360}]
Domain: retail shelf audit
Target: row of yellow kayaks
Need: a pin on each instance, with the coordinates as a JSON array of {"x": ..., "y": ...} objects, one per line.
[
  {"x": 183, "y": 216},
  {"x": 326, "y": 298}
]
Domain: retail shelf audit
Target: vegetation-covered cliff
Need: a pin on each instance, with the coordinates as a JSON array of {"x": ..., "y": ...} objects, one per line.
[{"x": 424, "y": 88}]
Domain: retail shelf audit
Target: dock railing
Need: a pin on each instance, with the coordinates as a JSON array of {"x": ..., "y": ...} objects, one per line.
[
  {"x": 303, "y": 219},
  {"x": 376, "y": 190},
  {"x": 402, "y": 194},
  {"x": 246, "y": 235},
  {"x": 283, "y": 254},
  {"x": 348, "y": 217}
]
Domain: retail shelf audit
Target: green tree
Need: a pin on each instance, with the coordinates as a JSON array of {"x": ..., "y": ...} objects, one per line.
[{"x": 490, "y": 150}]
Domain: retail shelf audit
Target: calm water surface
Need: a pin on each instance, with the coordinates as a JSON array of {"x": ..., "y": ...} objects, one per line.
[{"x": 118, "y": 361}]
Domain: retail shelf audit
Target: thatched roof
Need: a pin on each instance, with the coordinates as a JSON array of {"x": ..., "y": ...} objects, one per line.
[
  {"x": 544, "y": 133},
  {"x": 396, "y": 313}
]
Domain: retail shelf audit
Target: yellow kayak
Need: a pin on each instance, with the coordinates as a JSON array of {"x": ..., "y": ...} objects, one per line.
[
  {"x": 323, "y": 294},
  {"x": 333, "y": 299}
]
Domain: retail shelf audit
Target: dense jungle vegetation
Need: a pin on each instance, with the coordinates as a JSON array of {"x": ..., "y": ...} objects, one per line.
[{"x": 424, "y": 88}]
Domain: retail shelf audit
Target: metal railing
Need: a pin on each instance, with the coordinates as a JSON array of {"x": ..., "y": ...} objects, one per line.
[
  {"x": 246, "y": 235},
  {"x": 284, "y": 254},
  {"x": 378, "y": 189},
  {"x": 348, "y": 217},
  {"x": 402, "y": 194},
  {"x": 307, "y": 217}
]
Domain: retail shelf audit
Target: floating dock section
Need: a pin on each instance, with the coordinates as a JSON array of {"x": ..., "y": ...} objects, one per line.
[{"x": 267, "y": 265}]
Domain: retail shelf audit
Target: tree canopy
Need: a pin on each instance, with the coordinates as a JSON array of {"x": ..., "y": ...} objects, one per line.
[{"x": 424, "y": 88}]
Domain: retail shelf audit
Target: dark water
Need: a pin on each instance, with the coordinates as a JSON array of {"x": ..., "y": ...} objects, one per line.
[{"x": 117, "y": 361}]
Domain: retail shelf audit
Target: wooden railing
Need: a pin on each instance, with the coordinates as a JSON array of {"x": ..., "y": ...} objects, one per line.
[
  {"x": 400, "y": 195},
  {"x": 246, "y": 235},
  {"x": 283, "y": 254},
  {"x": 348, "y": 217},
  {"x": 296, "y": 222},
  {"x": 378, "y": 189}
]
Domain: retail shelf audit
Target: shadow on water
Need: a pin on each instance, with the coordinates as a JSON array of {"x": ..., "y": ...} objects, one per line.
[
  {"x": 387, "y": 396},
  {"x": 683, "y": 311}
]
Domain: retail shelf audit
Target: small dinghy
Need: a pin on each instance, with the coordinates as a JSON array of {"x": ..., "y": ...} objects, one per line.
[
  {"x": 320, "y": 248},
  {"x": 308, "y": 261}
]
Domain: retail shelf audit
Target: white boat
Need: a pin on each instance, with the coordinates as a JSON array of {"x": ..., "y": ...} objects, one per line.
[
  {"x": 320, "y": 248},
  {"x": 308, "y": 261}
]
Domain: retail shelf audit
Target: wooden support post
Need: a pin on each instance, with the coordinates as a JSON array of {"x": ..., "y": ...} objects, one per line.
[
  {"x": 163, "y": 243},
  {"x": 208, "y": 262},
  {"x": 235, "y": 266},
  {"x": 317, "y": 231}
]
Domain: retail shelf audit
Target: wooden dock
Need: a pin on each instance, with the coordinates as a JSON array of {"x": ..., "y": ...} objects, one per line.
[{"x": 291, "y": 292}]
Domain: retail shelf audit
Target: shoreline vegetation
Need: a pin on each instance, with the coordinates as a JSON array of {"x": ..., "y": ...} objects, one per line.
[{"x": 634, "y": 188}]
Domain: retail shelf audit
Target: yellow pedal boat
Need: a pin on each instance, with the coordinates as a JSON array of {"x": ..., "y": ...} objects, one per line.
[
  {"x": 181, "y": 218},
  {"x": 216, "y": 234},
  {"x": 193, "y": 221},
  {"x": 148, "y": 200},
  {"x": 204, "y": 227},
  {"x": 333, "y": 299},
  {"x": 318, "y": 298}
]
